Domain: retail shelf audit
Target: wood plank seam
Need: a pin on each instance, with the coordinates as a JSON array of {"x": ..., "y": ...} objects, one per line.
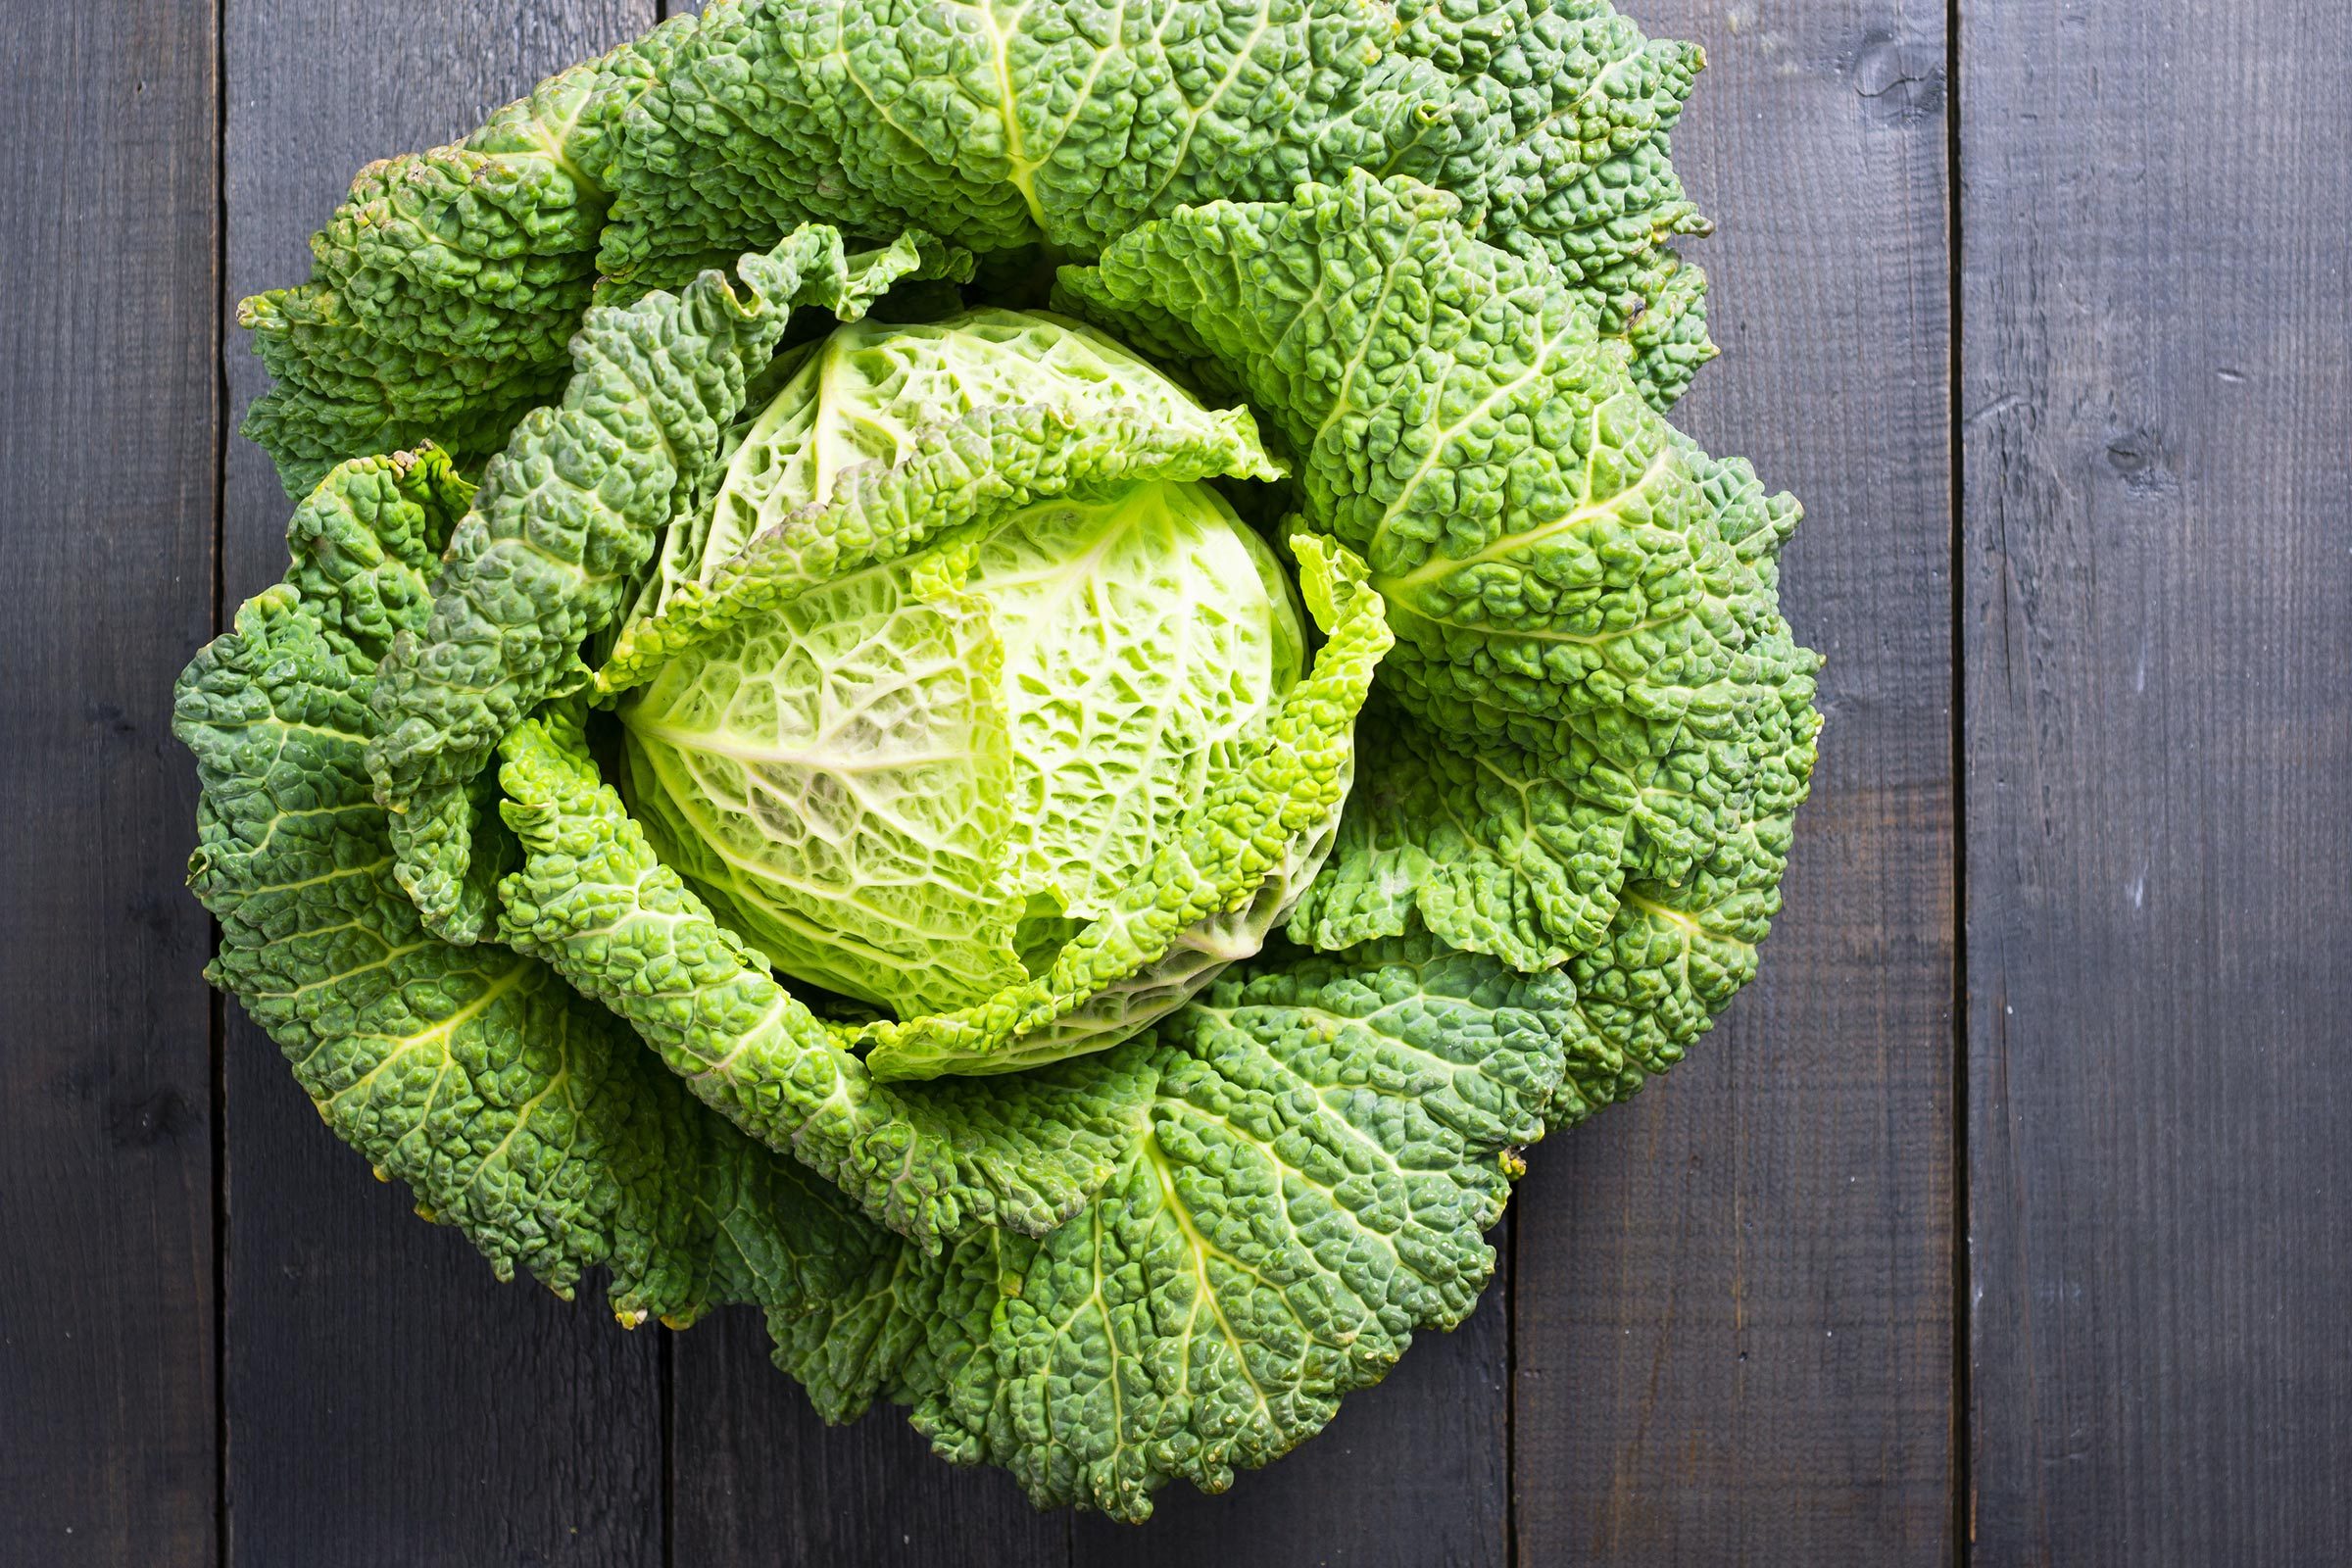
[
  {"x": 1963, "y": 1498},
  {"x": 218, "y": 1013}
]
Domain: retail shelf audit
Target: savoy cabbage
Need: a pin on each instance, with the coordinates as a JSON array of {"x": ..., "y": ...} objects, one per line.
[{"x": 1024, "y": 683}]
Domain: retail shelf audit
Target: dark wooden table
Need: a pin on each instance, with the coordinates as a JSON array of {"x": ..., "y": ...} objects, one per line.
[{"x": 2006, "y": 1217}]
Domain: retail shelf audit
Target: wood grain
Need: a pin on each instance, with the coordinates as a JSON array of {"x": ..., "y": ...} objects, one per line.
[
  {"x": 388, "y": 1402},
  {"x": 2158, "y": 652},
  {"x": 760, "y": 1479},
  {"x": 1734, "y": 1297},
  {"x": 108, "y": 206}
]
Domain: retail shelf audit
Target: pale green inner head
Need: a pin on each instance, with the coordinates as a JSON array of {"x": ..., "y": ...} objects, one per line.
[{"x": 914, "y": 781}]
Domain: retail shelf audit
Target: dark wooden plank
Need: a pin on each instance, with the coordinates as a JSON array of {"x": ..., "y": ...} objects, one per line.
[
  {"x": 108, "y": 216},
  {"x": 1734, "y": 1297},
  {"x": 2158, "y": 624},
  {"x": 388, "y": 1402},
  {"x": 758, "y": 1478}
]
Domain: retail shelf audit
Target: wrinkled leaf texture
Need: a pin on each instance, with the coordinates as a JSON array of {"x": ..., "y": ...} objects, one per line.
[{"x": 1428, "y": 245}]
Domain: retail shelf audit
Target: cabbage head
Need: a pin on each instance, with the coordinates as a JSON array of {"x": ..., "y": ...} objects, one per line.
[
  {"x": 915, "y": 782},
  {"x": 1025, "y": 685}
]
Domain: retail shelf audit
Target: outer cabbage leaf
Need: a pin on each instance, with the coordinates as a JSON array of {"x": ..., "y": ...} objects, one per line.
[
  {"x": 1489, "y": 846},
  {"x": 1483, "y": 848},
  {"x": 565, "y": 517},
  {"x": 1663, "y": 320},
  {"x": 1584, "y": 601},
  {"x": 1001, "y": 125},
  {"x": 444, "y": 289},
  {"x": 1554, "y": 138},
  {"x": 1328, "y": 1140},
  {"x": 342, "y": 389},
  {"x": 928, "y": 1161},
  {"x": 516, "y": 1111},
  {"x": 447, "y": 285},
  {"x": 1673, "y": 958}
]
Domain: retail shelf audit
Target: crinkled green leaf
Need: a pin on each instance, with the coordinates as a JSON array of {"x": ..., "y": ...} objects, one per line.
[
  {"x": 1666, "y": 330},
  {"x": 443, "y": 291},
  {"x": 1483, "y": 848},
  {"x": 1501, "y": 850},
  {"x": 1583, "y": 598},
  {"x": 515, "y": 1110},
  {"x": 1328, "y": 1140},
  {"x": 1674, "y": 956},
  {"x": 566, "y": 517},
  {"x": 929, "y": 1160},
  {"x": 344, "y": 392},
  {"x": 447, "y": 285}
]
